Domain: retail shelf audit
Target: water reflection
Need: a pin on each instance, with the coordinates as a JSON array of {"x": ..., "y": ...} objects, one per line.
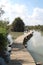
[
  {"x": 41, "y": 33},
  {"x": 35, "y": 46}
]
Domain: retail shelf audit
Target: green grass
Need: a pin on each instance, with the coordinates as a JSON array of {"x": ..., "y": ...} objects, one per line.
[{"x": 16, "y": 34}]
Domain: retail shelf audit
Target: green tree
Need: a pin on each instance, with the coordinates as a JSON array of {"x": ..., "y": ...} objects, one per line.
[
  {"x": 3, "y": 31},
  {"x": 18, "y": 25}
]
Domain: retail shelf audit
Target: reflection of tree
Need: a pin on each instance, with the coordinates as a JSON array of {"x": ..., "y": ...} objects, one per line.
[{"x": 41, "y": 33}]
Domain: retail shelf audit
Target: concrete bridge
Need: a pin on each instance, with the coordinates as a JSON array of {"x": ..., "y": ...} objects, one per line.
[{"x": 19, "y": 54}]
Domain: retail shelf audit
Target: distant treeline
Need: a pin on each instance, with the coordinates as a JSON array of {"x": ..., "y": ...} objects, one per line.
[{"x": 36, "y": 27}]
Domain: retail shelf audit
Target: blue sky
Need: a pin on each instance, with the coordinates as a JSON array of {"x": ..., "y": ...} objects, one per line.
[
  {"x": 34, "y": 3},
  {"x": 31, "y": 11},
  {"x": 30, "y": 3}
]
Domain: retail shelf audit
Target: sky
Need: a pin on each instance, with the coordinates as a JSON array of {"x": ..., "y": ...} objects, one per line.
[{"x": 30, "y": 11}]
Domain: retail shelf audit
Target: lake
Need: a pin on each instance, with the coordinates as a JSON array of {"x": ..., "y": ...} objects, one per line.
[{"x": 35, "y": 46}]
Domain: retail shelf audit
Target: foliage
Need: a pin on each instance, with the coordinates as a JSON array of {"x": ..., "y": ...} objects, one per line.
[
  {"x": 3, "y": 41},
  {"x": 3, "y": 31},
  {"x": 18, "y": 25},
  {"x": 3, "y": 26},
  {"x": 3, "y": 36},
  {"x": 36, "y": 27}
]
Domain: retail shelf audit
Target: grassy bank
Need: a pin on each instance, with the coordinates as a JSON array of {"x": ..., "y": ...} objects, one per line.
[{"x": 16, "y": 34}]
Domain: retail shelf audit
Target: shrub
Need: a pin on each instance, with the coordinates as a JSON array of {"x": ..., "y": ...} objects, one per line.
[{"x": 3, "y": 38}]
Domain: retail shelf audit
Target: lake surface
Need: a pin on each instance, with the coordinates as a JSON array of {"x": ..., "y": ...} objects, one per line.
[{"x": 35, "y": 46}]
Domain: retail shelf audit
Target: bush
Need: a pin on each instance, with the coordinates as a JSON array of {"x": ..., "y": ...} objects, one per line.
[
  {"x": 3, "y": 41},
  {"x": 3, "y": 38}
]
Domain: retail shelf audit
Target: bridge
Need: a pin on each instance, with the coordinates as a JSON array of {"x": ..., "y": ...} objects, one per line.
[{"x": 19, "y": 54}]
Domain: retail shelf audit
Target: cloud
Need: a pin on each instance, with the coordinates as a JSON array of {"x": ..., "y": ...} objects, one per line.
[
  {"x": 37, "y": 16},
  {"x": 13, "y": 10},
  {"x": 19, "y": 10}
]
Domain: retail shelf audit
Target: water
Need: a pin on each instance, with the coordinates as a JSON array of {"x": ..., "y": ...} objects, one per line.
[
  {"x": 35, "y": 46},
  {"x": 10, "y": 40}
]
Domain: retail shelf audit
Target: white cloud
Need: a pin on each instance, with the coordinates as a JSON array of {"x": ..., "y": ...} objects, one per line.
[
  {"x": 13, "y": 10},
  {"x": 18, "y": 10},
  {"x": 37, "y": 16}
]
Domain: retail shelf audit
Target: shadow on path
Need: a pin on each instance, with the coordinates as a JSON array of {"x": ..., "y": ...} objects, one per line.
[
  {"x": 15, "y": 62},
  {"x": 19, "y": 62},
  {"x": 18, "y": 46}
]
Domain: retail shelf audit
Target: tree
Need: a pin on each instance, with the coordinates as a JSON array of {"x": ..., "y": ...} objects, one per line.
[
  {"x": 1, "y": 12},
  {"x": 18, "y": 25},
  {"x": 3, "y": 32}
]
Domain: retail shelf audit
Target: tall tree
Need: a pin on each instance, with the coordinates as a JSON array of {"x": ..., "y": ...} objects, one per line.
[{"x": 18, "y": 25}]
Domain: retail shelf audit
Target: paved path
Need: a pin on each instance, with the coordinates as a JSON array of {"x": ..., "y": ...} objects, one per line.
[{"x": 20, "y": 55}]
